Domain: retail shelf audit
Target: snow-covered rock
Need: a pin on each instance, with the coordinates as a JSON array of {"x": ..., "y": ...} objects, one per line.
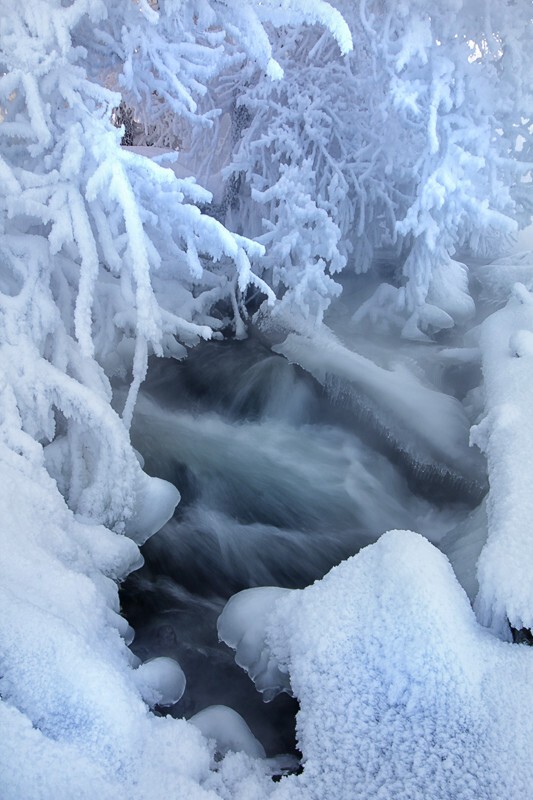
[
  {"x": 161, "y": 681},
  {"x": 402, "y": 693}
]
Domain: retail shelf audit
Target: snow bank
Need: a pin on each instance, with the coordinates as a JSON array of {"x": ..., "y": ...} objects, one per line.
[
  {"x": 402, "y": 693},
  {"x": 506, "y": 435},
  {"x": 72, "y": 719}
]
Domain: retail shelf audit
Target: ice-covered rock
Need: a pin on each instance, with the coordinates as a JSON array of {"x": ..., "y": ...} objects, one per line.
[
  {"x": 161, "y": 681},
  {"x": 229, "y": 730},
  {"x": 242, "y": 626},
  {"x": 430, "y": 424},
  {"x": 155, "y": 503}
]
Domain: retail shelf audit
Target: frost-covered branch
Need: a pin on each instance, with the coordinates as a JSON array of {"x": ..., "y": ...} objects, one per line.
[
  {"x": 416, "y": 145},
  {"x": 106, "y": 256}
]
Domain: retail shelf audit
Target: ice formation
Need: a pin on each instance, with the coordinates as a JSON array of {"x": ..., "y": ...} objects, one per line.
[
  {"x": 242, "y": 626},
  {"x": 155, "y": 502},
  {"x": 161, "y": 681},
  {"x": 229, "y": 730}
]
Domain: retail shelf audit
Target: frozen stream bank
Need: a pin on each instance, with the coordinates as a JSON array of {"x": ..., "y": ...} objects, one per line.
[{"x": 288, "y": 462}]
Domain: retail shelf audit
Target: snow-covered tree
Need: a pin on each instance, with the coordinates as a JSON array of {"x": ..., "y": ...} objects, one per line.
[
  {"x": 415, "y": 144},
  {"x": 106, "y": 256},
  {"x": 374, "y": 127}
]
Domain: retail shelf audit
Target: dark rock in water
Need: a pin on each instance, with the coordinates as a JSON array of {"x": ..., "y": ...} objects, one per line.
[{"x": 522, "y": 636}]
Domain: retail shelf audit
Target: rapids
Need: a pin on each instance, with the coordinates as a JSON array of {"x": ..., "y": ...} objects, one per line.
[{"x": 284, "y": 472}]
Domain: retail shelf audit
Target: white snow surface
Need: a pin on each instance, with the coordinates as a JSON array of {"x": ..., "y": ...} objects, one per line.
[
  {"x": 506, "y": 434},
  {"x": 72, "y": 719},
  {"x": 403, "y": 694}
]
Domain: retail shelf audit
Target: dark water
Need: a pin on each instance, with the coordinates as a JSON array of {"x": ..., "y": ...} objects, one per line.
[{"x": 281, "y": 478}]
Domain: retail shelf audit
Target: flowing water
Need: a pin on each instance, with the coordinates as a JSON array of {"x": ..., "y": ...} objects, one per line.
[{"x": 283, "y": 473}]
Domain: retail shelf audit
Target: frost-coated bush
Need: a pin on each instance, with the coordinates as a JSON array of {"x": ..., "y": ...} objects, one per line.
[{"x": 416, "y": 143}]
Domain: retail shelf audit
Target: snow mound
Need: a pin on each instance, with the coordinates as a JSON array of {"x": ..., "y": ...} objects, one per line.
[
  {"x": 72, "y": 718},
  {"x": 402, "y": 693}
]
